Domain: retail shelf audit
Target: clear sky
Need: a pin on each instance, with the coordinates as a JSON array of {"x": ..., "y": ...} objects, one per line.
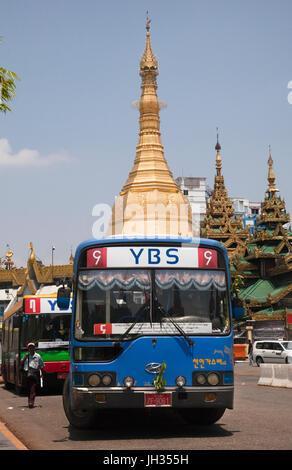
[{"x": 70, "y": 141}]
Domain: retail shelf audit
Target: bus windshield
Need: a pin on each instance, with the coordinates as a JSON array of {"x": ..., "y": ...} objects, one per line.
[
  {"x": 109, "y": 301},
  {"x": 46, "y": 329}
]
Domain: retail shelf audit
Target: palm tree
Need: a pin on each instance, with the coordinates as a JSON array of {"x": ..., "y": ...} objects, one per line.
[{"x": 7, "y": 87}]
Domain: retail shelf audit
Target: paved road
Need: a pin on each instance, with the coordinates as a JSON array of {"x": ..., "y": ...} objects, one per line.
[{"x": 261, "y": 420}]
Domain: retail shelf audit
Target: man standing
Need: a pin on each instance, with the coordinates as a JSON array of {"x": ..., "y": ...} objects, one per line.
[
  {"x": 250, "y": 351},
  {"x": 32, "y": 364}
]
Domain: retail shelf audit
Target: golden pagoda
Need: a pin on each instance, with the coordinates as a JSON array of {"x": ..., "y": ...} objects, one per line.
[
  {"x": 220, "y": 223},
  {"x": 150, "y": 202}
]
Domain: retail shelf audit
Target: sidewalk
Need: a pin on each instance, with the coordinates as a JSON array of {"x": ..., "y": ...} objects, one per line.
[{"x": 8, "y": 441}]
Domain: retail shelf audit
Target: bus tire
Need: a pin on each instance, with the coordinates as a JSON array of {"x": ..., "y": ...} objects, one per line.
[
  {"x": 79, "y": 420},
  {"x": 7, "y": 384},
  {"x": 202, "y": 416}
]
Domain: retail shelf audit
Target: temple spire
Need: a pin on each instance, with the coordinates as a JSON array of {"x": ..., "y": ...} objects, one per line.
[
  {"x": 148, "y": 61},
  {"x": 150, "y": 170},
  {"x": 271, "y": 175},
  {"x": 220, "y": 223},
  {"x": 218, "y": 157},
  {"x": 160, "y": 206}
]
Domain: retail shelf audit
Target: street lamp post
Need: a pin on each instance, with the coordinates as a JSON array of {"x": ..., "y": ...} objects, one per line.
[{"x": 53, "y": 249}]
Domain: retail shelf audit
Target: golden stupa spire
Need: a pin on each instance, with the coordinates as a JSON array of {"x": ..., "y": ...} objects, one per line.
[
  {"x": 150, "y": 193},
  {"x": 150, "y": 170},
  {"x": 271, "y": 175}
]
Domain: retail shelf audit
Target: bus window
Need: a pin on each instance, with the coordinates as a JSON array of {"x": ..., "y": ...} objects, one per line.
[
  {"x": 10, "y": 331},
  {"x": 15, "y": 336},
  {"x": 111, "y": 296},
  {"x": 55, "y": 327},
  {"x": 107, "y": 299},
  {"x": 191, "y": 296},
  {"x": 45, "y": 327}
]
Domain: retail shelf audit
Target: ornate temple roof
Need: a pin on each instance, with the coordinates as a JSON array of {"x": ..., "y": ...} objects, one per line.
[
  {"x": 35, "y": 274},
  {"x": 220, "y": 223},
  {"x": 150, "y": 193},
  {"x": 267, "y": 262},
  {"x": 271, "y": 239}
]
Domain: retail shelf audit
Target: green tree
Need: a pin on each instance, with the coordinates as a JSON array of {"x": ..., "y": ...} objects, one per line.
[{"x": 7, "y": 87}]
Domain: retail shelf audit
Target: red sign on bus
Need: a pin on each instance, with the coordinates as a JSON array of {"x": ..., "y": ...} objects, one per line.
[
  {"x": 96, "y": 258},
  {"x": 32, "y": 305},
  {"x": 103, "y": 329},
  {"x": 207, "y": 258}
]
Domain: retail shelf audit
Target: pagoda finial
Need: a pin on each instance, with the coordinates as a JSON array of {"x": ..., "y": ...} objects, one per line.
[
  {"x": 218, "y": 157},
  {"x": 32, "y": 253},
  {"x": 8, "y": 263},
  {"x": 148, "y": 21},
  {"x": 148, "y": 62},
  {"x": 271, "y": 175}
]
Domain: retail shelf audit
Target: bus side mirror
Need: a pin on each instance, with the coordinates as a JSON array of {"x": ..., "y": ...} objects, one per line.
[{"x": 64, "y": 298}]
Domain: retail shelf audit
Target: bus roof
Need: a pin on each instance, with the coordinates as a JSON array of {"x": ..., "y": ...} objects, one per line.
[
  {"x": 17, "y": 306},
  {"x": 147, "y": 239}
]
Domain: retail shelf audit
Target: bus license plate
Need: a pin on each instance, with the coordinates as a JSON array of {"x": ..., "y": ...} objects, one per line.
[{"x": 157, "y": 399}]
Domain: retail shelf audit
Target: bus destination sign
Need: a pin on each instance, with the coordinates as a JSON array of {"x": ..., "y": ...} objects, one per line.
[{"x": 151, "y": 256}]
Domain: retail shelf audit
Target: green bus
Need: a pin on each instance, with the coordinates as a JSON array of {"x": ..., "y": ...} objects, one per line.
[{"x": 36, "y": 319}]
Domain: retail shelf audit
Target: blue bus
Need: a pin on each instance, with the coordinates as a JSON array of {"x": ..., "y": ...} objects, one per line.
[{"x": 151, "y": 329}]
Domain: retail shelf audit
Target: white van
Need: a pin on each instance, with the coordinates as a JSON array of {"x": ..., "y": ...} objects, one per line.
[{"x": 276, "y": 352}]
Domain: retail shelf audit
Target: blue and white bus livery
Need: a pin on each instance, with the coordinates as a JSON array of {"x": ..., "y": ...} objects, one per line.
[{"x": 151, "y": 328}]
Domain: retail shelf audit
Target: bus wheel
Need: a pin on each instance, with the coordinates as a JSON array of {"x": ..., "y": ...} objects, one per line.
[
  {"x": 7, "y": 384},
  {"x": 81, "y": 419},
  {"x": 202, "y": 416}
]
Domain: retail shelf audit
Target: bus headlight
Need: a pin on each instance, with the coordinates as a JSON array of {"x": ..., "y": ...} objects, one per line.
[
  {"x": 201, "y": 379},
  {"x": 128, "y": 382},
  {"x": 213, "y": 379},
  {"x": 107, "y": 380},
  {"x": 180, "y": 381},
  {"x": 94, "y": 380}
]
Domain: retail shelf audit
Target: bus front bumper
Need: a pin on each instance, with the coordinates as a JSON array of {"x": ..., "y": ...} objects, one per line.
[{"x": 83, "y": 398}]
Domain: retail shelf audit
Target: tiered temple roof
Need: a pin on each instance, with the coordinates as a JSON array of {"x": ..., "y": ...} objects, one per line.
[
  {"x": 267, "y": 262},
  {"x": 220, "y": 223}
]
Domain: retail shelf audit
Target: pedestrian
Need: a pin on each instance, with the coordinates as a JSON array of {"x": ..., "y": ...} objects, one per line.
[
  {"x": 32, "y": 365},
  {"x": 250, "y": 351}
]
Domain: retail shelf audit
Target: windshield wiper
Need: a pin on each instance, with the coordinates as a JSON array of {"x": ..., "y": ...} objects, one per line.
[
  {"x": 138, "y": 317},
  {"x": 123, "y": 335},
  {"x": 181, "y": 331}
]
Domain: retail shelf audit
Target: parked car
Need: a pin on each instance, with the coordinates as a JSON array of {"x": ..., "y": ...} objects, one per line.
[{"x": 271, "y": 351}]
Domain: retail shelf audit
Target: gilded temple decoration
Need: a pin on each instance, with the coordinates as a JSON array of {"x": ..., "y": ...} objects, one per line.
[
  {"x": 220, "y": 223},
  {"x": 150, "y": 201},
  {"x": 267, "y": 262},
  {"x": 29, "y": 279}
]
